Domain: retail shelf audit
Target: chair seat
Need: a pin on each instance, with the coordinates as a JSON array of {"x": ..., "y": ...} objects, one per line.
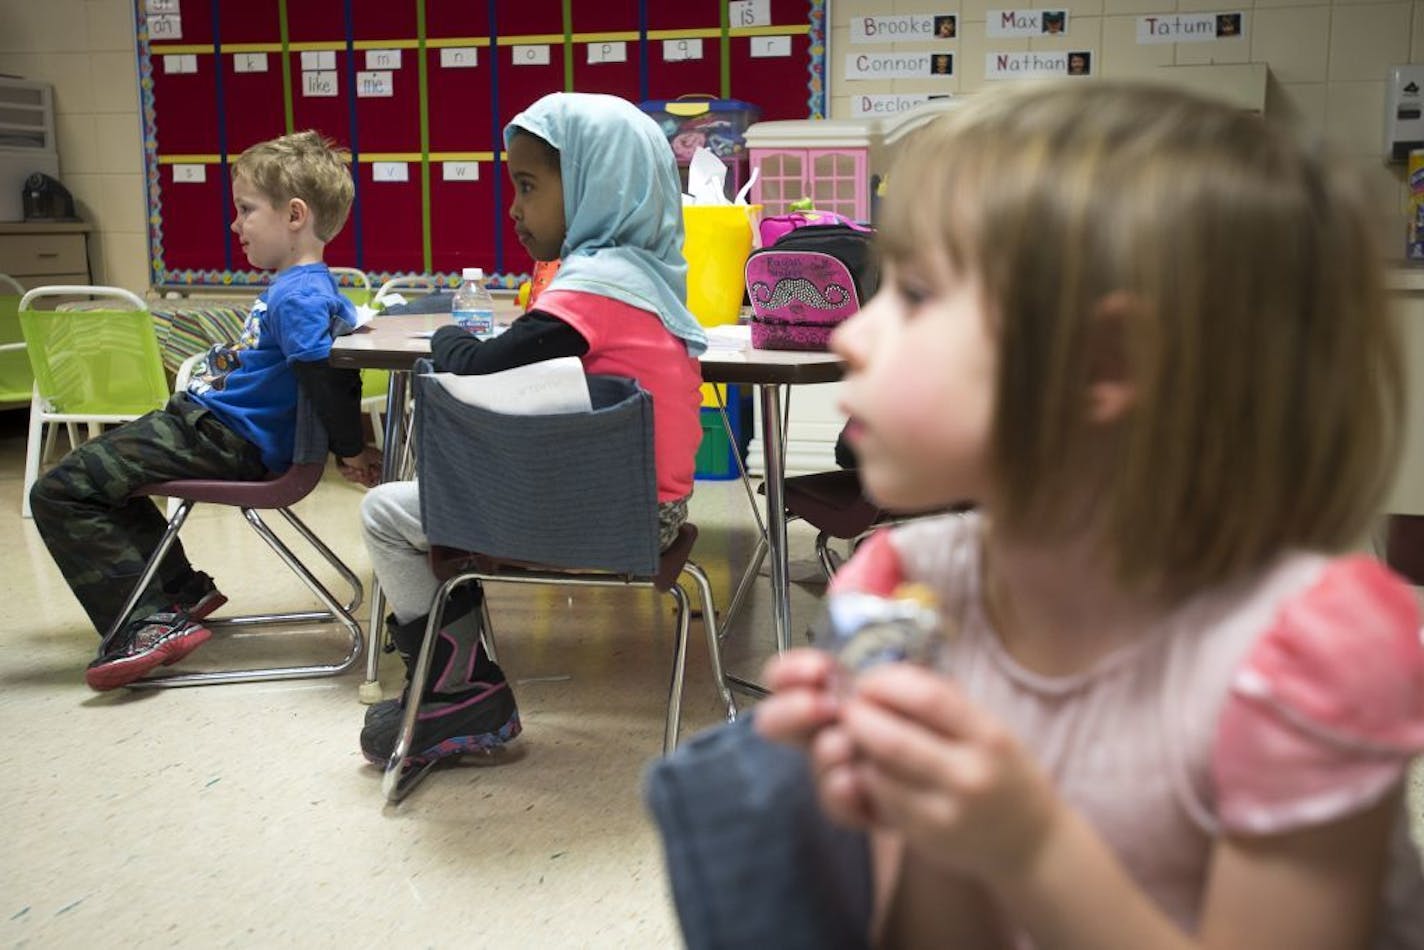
[
  {"x": 449, "y": 562},
  {"x": 1404, "y": 547},
  {"x": 282, "y": 491},
  {"x": 833, "y": 502}
]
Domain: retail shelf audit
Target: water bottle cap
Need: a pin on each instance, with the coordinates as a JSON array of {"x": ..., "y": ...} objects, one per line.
[{"x": 473, "y": 273}]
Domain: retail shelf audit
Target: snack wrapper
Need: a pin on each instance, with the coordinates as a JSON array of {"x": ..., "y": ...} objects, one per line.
[{"x": 864, "y": 630}]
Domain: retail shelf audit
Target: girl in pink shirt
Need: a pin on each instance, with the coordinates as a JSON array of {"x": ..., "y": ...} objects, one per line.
[
  {"x": 595, "y": 186},
  {"x": 1146, "y": 335}
]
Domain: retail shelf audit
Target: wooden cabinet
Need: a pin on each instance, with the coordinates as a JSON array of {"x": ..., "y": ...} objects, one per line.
[{"x": 38, "y": 253}]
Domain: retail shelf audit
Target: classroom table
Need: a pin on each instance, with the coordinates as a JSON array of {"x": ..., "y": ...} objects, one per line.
[{"x": 395, "y": 342}]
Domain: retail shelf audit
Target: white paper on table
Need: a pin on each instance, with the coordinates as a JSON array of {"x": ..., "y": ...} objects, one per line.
[
  {"x": 727, "y": 341},
  {"x": 546, "y": 388}
]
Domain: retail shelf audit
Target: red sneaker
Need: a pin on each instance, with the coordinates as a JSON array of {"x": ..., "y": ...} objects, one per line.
[
  {"x": 199, "y": 596},
  {"x": 146, "y": 644}
]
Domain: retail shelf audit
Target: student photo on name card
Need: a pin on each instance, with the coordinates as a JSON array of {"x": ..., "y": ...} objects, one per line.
[
  {"x": 1228, "y": 24},
  {"x": 1054, "y": 21},
  {"x": 945, "y": 27},
  {"x": 1080, "y": 63},
  {"x": 942, "y": 64}
]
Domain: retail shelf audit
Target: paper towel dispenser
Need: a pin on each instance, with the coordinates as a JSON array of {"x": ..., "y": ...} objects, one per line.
[{"x": 1404, "y": 112}]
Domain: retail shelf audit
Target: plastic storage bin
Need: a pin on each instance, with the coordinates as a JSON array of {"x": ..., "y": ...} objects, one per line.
[
  {"x": 716, "y": 124},
  {"x": 715, "y": 458}
]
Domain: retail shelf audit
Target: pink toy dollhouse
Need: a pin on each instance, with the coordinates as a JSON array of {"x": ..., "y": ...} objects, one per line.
[
  {"x": 830, "y": 161},
  {"x": 826, "y": 160}
]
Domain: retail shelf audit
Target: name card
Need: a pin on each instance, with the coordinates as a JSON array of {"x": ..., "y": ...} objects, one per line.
[
  {"x": 179, "y": 63},
  {"x": 460, "y": 171},
  {"x": 249, "y": 62},
  {"x": 675, "y": 51},
  {"x": 189, "y": 174},
  {"x": 749, "y": 13},
  {"x": 318, "y": 59},
  {"x": 1190, "y": 27},
  {"x": 460, "y": 57},
  {"x": 383, "y": 59},
  {"x": 390, "y": 171},
  {"x": 161, "y": 6},
  {"x": 375, "y": 85},
  {"x": 865, "y": 106},
  {"x": 168, "y": 26},
  {"x": 529, "y": 55},
  {"x": 610, "y": 52},
  {"x": 769, "y": 47},
  {"x": 319, "y": 84},
  {"x": 860, "y": 66},
  {"x": 1025, "y": 22},
  {"x": 892, "y": 29},
  {"x": 1024, "y": 65}
]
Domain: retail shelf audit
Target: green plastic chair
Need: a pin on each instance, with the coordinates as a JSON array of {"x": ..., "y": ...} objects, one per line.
[
  {"x": 91, "y": 366},
  {"x": 356, "y": 285},
  {"x": 16, "y": 381}
]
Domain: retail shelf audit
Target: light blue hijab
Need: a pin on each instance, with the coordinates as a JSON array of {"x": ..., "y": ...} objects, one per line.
[{"x": 622, "y": 205}]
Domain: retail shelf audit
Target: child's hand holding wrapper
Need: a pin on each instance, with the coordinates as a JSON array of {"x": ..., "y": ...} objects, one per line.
[{"x": 857, "y": 632}]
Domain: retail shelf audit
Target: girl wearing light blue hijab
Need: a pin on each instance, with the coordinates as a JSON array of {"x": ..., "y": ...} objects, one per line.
[
  {"x": 596, "y": 187},
  {"x": 622, "y": 204}
]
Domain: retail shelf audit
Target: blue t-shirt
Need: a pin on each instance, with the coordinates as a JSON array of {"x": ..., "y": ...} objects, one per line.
[{"x": 250, "y": 385}]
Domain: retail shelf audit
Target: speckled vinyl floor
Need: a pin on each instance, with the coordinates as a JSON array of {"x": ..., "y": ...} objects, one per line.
[{"x": 245, "y": 816}]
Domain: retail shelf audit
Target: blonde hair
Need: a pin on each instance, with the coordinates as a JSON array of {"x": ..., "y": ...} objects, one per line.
[
  {"x": 303, "y": 165},
  {"x": 1268, "y": 384}
]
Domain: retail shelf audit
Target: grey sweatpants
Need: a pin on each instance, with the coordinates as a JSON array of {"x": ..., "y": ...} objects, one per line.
[{"x": 390, "y": 521}]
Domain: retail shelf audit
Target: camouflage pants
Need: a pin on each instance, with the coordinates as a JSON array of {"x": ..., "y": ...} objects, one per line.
[
  {"x": 99, "y": 536},
  {"x": 671, "y": 515}
]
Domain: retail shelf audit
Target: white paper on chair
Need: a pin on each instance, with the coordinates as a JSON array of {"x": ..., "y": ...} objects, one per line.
[{"x": 545, "y": 388}]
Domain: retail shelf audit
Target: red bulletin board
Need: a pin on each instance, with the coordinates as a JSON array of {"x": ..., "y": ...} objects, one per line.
[{"x": 419, "y": 91}]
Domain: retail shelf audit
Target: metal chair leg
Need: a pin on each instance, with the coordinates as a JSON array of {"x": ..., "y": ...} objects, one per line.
[
  {"x": 679, "y": 669},
  {"x": 146, "y": 576},
  {"x": 714, "y": 638},
  {"x": 829, "y": 562},
  {"x": 335, "y": 611},
  {"x": 400, "y": 776},
  {"x": 487, "y": 626}
]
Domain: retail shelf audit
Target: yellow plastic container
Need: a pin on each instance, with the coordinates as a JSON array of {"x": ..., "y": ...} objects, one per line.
[{"x": 719, "y": 238}]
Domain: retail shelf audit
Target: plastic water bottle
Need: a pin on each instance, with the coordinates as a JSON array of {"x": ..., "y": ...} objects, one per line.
[{"x": 472, "y": 306}]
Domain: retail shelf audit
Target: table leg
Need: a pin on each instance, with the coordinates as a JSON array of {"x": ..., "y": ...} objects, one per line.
[
  {"x": 370, "y": 691},
  {"x": 771, "y": 436}
]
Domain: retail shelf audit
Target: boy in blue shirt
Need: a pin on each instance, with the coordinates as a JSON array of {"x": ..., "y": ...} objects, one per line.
[{"x": 236, "y": 421}]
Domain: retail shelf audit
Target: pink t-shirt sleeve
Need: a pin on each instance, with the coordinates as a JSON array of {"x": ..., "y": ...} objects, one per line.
[
  {"x": 874, "y": 568},
  {"x": 1325, "y": 713}
]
